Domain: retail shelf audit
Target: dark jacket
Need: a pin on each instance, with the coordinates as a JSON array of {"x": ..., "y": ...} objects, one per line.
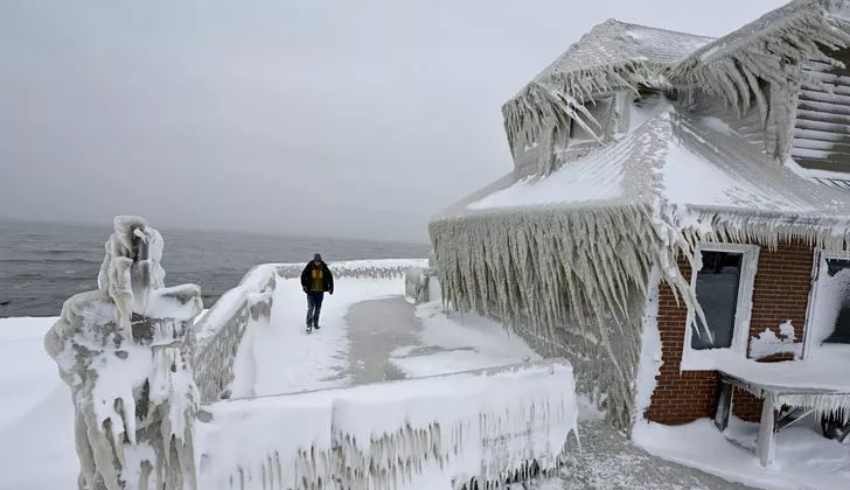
[{"x": 327, "y": 277}]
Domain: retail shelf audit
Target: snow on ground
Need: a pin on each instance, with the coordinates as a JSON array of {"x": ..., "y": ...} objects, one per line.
[
  {"x": 36, "y": 415},
  {"x": 452, "y": 342},
  {"x": 804, "y": 458},
  {"x": 288, "y": 359}
]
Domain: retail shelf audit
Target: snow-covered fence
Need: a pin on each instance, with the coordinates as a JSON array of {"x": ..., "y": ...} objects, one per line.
[
  {"x": 219, "y": 333},
  {"x": 449, "y": 431},
  {"x": 372, "y": 269}
]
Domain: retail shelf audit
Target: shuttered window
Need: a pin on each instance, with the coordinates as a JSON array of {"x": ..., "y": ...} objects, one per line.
[{"x": 822, "y": 128}]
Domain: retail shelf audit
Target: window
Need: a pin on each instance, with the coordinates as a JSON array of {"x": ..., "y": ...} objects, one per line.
[
  {"x": 838, "y": 271},
  {"x": 601, "y": 110},
  {"x": 717, "y": 286},
  {"x": 828, "y": 317},
  {"x": 724, "y": 288}
]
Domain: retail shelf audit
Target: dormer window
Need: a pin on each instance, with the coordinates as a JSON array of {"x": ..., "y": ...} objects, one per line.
[{"x": 602, "y": 111}]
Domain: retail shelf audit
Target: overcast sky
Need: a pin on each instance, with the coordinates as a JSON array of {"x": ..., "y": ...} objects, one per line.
[{"x": 344, "y": 118}]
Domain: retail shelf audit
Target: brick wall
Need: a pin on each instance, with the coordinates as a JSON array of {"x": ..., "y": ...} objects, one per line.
[
  {"x": 781, "y": 290},
  {"x": 780, "y": 293}
]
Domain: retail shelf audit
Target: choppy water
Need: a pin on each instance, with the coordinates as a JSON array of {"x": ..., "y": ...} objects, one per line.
[{"x": 42, "y": 264}]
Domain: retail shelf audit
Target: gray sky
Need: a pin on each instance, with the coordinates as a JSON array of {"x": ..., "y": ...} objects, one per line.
[{"x": 345, "y": 118}]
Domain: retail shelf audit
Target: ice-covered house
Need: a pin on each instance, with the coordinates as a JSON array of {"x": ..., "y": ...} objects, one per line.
[{"x": 679, "y": 208}]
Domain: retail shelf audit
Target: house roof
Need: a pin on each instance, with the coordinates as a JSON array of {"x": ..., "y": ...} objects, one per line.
[
  {"x": 614, "y": 43},
  {"x": 614, "y": 55},
  {"x": 773, "y": 24},
  {"x": 670, "y": 158}
]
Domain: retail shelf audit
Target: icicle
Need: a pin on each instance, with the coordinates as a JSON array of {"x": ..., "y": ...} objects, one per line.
[
  {"x": 782, "y": 41},
  {"x": 576, "y": 272},
  {"x": 386, "y": 436},
  {"x": 563, "y": 97}
]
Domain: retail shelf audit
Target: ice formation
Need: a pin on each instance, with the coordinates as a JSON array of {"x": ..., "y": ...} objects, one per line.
[
  {"x": 575, "y": 279},
  {"x": 417, "y": 284},
  {"x": 770, "y": 49},
  {"x": 220, "y": 332},
  {"x": 756, "y": 66},
  {"x": 767, "y": 343},
  {"x": 613, "y": 56},
  {"x": 374, "y": 269},
  {"x": 489, "y": 426},
  {"x": 124, "y": 351}
]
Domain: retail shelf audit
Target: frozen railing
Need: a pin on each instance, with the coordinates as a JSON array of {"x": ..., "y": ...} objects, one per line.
[
  {"x": 469, "y": 429},
  {"x": 219, "y": 333},
  {"x": 373, "y": 269}
]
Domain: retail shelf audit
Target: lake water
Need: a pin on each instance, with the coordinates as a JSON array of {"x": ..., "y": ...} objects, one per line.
[{"x": 42, "y": 264}]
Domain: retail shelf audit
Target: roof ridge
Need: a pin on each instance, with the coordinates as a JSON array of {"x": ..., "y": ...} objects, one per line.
[{"x": 614, "y": 20}]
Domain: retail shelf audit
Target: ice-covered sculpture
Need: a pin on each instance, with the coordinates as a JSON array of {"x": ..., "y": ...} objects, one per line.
[{"x": 125, "y": 351}]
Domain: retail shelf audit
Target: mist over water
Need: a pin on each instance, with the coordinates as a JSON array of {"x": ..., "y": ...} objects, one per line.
[{"x": 42, "y": 264}]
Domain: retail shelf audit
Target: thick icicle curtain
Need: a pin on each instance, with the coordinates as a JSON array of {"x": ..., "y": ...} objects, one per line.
[
  {"x": 564, "y": 97},
  {"x": 563, "y": 274},
  {"x": 767, "y": 229},
  {"x": 768, "y": 49}
]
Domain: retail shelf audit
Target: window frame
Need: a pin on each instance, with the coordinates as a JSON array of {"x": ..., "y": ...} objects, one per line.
[
  {"x": 821, "y": 255},
  {"x": 708, "y": 359}
]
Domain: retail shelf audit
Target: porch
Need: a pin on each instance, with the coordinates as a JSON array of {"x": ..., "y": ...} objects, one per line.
[{"x": 816, "y": 390}]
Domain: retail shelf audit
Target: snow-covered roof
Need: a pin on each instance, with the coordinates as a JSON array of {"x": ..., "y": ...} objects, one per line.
[
  {"x": 614, "y": 43},
  {"x": 612, "y": 55},
  {"x": 735, "y": 67},
  {"x": 671, "y": 158},
  {"x": 795, "y": 15}
]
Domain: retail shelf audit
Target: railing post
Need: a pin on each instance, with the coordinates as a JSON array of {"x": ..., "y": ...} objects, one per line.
[{"x": 125, "y": 351}]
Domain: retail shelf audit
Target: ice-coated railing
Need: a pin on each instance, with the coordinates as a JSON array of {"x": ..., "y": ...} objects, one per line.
[
  {"x": 473, "y": 429},
  {"x": 219, "y": 333}
]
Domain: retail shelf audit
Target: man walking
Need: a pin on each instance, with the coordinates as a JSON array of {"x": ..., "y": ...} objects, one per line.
[{"x": 316, "y": 279}]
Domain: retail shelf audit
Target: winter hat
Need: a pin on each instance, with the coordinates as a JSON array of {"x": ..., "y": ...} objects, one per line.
[{"x": 317, "y": 257}]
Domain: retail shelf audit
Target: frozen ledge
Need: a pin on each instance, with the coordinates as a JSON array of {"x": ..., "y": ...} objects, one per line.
[{"x": 499, "y": 424}]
